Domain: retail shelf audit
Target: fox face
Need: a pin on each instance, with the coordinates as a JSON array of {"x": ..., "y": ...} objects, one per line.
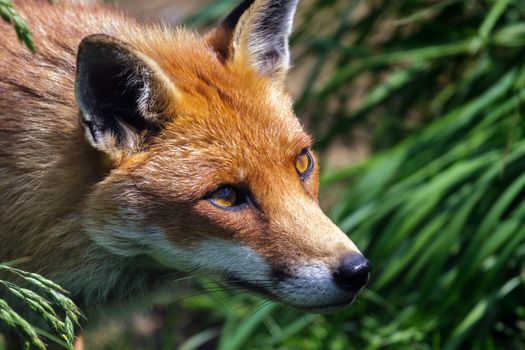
[{"x": 208, "y": 168}]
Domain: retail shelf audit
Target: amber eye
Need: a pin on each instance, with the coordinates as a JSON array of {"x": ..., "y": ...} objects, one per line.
[
  {"x": 225, "y": 197},
  {"x": 304, "y": 164}
]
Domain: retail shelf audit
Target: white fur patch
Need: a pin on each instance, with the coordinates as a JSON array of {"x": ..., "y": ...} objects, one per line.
[
  {"x": 210, "y": 255},
  {"x": 310, "y": 286}
]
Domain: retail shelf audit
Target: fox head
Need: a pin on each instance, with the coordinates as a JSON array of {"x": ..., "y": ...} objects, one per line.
[{"x": 209, "y": 168}]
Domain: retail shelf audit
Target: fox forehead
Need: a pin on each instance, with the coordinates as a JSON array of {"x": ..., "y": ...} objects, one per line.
[{"x": 222, "y": 111}]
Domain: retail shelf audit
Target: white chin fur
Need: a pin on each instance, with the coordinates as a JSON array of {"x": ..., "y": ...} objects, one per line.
[
  {"x": 210, "y": 255},
  {"x": 311, "y": 287}
]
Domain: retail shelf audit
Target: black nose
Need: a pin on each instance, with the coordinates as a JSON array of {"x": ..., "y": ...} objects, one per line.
[{"x": 352, "y": 274}]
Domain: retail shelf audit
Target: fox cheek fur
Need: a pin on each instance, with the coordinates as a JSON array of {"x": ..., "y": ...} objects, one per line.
[{"x": 175, "y": 153}]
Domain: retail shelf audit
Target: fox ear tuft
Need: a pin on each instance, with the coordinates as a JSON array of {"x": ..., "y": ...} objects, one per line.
[
  {"x": 120, "y": 94},
  {"x": 257, "y": 31}
]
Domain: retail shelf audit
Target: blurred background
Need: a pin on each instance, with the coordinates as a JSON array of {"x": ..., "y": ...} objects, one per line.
[{"x": 417, "y": 108}]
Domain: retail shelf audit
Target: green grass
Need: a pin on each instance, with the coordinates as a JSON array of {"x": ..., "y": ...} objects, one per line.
[
  {"x": 9, "y": 14},
  {"x": 46, "y": 301}
]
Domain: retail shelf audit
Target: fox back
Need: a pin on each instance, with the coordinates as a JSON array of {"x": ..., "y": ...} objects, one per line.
[{"x": 132, "y": 152}]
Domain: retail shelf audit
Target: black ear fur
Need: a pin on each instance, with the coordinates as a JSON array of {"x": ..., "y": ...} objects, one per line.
[
  {"x": 232, "y": 19},
  {"x": 115, "y": 91}
]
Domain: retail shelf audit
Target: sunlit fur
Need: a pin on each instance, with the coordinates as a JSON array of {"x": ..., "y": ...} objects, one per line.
[{"x": 112, "y": 223}]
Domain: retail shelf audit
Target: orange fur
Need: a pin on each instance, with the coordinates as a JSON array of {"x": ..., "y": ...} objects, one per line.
[{"x": 223, "y": 123}]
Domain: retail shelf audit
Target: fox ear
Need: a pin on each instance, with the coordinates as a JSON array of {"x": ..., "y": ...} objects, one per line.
[
  {"x": 257, "y": 31},
  {"x": 120, "y": 92}
]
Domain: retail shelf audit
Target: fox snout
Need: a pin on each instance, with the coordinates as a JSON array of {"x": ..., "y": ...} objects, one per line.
[
  {"x": 298, "y": 257},
  {"x": 316, "y": 287},
  {"x": 321, "y": 289}
]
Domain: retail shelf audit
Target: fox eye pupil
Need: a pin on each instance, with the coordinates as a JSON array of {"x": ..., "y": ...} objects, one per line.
[
  {"x": 304, "y": 163},
  {"x": 225, "y": 196}
]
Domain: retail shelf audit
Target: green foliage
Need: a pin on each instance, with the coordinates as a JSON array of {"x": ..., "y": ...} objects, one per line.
[
  {"x": 9, "y": 14},
  {"x": 439, "y": 208},
  {"x": 441, "y": 217},
  {"x": 50, "y": 305}
]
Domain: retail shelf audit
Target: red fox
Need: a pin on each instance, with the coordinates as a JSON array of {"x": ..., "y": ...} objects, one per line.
[{"x": 129, "y": 152}]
